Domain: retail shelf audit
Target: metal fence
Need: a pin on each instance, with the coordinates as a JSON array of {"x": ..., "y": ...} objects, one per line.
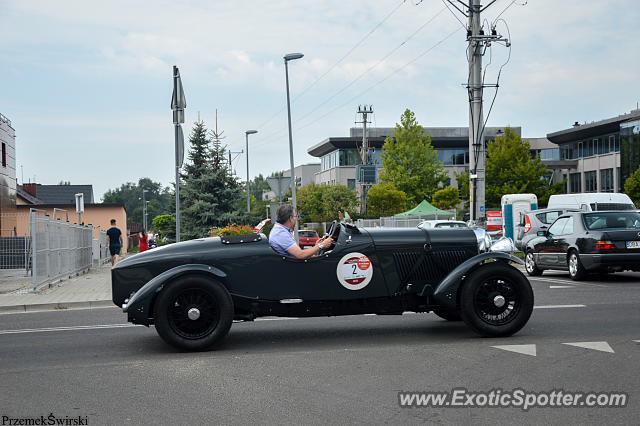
[
  {"x": 15, "y": 242},
  {"x": 59, "y": 249},
  {"x": 399, "y": 221},
  {"x": 100, "y": 256}
]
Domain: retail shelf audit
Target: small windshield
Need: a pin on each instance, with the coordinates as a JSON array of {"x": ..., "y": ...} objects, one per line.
[
  {"x": 307, "y": 233},
  {"x": 612, "y": 220}
]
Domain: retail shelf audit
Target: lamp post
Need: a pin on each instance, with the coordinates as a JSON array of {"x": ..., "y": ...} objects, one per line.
[
  {"x": 144, "y": 210},
  {"x": 247, "y": 133},
  {"x": 287, "y": 58},
  {"x": 146, "y": 213}
]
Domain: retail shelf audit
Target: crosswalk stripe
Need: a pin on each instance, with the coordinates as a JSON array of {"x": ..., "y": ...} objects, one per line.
[{"x": 597, "y": 346}]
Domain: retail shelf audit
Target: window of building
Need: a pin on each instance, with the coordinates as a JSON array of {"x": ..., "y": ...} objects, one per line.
[
  {"x": 619, "y": 179},
  {"x": 453, "y": 157},
  {"x": 590, "y": 181},
  {"x": 575, "y": 184},
  {"x": 606, "y": 180},
  {"x": 4, "y": 155},
  {"x": 550, "y": 154},
  {"x": 351, "y": 183}
]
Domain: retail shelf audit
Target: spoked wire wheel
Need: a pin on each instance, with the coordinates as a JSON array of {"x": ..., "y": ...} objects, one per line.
[
  {"x": 194, "y": 313},
  {"x": 496, "y": 299}
]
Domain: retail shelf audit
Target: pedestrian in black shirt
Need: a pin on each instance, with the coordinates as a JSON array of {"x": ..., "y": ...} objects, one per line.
[{"x": 114, "y": 242}]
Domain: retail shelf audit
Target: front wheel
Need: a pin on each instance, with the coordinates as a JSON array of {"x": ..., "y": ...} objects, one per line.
[
  {"x": 193, "y": 313},
  {"x": 496, "y": 300},
  {"x": 530, "y": 265}
]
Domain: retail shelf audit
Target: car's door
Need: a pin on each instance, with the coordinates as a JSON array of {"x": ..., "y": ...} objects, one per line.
[
  {"x": 351, "y": 270},
  {"x": 563, "y": 242},
  {"x": 548, "y": 248}
]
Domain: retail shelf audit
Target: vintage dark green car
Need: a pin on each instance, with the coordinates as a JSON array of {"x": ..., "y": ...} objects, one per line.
[{"x": 192, "y": 291}]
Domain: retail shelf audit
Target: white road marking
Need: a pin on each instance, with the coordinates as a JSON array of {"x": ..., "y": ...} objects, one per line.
[
  {"x": 70, "y": 328},
  {"x": 561, "y": 286},
  {"x": 558, "y": 306},
  {"x": 521, "y": 349},
  {"x": 638, "y": 341},
  {"x": 276, "y": 319},
  {"x": 597, "y": 346}
]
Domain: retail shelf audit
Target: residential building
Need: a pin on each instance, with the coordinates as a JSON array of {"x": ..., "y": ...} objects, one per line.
[
  {"x": 339, "y": 156},
  {"x": 59, "y": 201},
  {"x": 7, "y": 178},
  {"x": 599, "y": 156}
]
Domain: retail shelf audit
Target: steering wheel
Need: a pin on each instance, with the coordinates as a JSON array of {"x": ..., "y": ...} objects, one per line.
[{"x": 334, "y": 231}]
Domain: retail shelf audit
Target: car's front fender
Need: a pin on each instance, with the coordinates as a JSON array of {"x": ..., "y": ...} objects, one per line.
[
  {"x": 138, "y": 306},
  {"x": 446, "y": 292}
]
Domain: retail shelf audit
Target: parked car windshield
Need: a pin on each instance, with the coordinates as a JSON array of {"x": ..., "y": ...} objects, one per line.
[
  {"x": 612, "y": 220},
  {"x": 308, "y": 233},
  {"x": 451, "y": 225}
]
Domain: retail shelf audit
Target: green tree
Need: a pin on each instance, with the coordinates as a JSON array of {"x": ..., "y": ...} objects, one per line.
[
  {"x": 384, "y": 199},
  {"x": 632, "y": 187},
  {"x": 511, "y": 170},
  {"x": 161, "y": 200},
  {"x": 446, "y": 198},
  {"x": 208, "y": 192},
  {"x": 165, "y": 225},
  {"x": 410, "y": 162},
  {"x": 321, "y": 203}
]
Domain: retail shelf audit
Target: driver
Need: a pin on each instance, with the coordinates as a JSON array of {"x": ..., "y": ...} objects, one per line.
[{"x": 282, "y": 241}]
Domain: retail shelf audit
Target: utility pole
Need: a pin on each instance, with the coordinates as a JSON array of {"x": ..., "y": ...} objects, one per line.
[
  {"x": 476, "y": 139},
  {"x": 478, "y": 42},
  {"x": 364, "y": 155}
]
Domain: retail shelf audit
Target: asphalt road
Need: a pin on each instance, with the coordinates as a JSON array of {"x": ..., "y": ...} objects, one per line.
[{"x": 345, "y": 370}]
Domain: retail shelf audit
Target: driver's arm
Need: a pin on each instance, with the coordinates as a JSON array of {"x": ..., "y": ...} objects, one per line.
[{"x": 299, "y": 253}]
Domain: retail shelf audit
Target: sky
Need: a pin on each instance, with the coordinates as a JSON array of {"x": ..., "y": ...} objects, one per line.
[{"x": 87, "y": 84}]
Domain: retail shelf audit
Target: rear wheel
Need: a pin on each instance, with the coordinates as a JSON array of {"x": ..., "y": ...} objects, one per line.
[
  {"x": 576, "y": 270},
  {"x": 530, "y": 265},
  {"x": 448, "y": 314},
  {"x": 193, "y": 313},
  {"x": 496, "y": 300}
]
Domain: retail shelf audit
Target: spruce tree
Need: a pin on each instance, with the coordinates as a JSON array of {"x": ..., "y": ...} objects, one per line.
[{"x": 207, "y": 191}]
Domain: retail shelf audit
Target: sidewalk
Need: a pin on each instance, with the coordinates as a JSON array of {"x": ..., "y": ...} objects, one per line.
[{"x": 90, "y": 290}]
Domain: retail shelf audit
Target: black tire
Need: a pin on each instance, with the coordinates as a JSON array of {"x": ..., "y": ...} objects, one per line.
[
  {"x": 530, "y": 265},
  {"x": 213, "y": 306},
  {"x": 479, "y": 307},
  {"x": 448, "y": 314},
  {"x": 576, "y": 270}
]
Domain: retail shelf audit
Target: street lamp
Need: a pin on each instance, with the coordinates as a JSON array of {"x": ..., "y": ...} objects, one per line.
[
  {"x": 247, "y": 133},
  {"x": 287, "y": 58},
  {"x": 144, "y": 210}
]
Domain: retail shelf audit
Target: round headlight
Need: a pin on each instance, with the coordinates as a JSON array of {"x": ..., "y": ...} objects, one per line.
[{"x": 504, "y": 244}]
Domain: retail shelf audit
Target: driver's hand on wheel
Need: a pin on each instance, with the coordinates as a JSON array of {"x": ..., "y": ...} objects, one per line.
[{"x": 326, "y": 243}]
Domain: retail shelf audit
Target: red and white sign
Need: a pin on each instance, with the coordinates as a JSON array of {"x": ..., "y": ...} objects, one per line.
[
  {"x": 354, "y": 271},
  {"x": 494, "y": 220}
]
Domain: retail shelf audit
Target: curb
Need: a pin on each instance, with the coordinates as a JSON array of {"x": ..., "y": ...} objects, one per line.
[{"x": 60, "y": 306}]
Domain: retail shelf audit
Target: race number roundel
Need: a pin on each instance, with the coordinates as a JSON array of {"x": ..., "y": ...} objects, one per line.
[{"x": 355, "y": 271}]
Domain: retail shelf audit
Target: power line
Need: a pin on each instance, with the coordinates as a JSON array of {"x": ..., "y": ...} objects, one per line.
[
  {"x": 352, "y": 82},
  {"x": 397, "y": 70},
  {"x": 269, "y": 137},
  {"x": 306, "y": 89}
]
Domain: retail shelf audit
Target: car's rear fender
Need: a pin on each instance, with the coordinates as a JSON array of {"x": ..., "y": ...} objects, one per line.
[
  {"x": 446, "y": 293},
  {"x": 141, "y": 302}
]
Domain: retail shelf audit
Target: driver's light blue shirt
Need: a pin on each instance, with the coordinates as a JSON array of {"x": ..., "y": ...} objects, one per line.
[{"x": 281, "y": 239}]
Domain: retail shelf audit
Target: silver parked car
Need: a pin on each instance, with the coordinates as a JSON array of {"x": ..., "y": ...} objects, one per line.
[{"x": 442, "y": 224}]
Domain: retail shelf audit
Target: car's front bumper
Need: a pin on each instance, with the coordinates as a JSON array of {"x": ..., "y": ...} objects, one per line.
[{"x": 614, "y": 261}]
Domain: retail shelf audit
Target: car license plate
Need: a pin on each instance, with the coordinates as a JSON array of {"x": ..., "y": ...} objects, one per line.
[{"x": 633, "y": 244}]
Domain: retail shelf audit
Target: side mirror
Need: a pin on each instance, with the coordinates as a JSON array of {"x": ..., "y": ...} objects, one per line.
[{"x": 542, "y": 233}]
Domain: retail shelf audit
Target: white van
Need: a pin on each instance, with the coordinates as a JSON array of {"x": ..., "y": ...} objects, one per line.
[{"x": 592, "y": 201}]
